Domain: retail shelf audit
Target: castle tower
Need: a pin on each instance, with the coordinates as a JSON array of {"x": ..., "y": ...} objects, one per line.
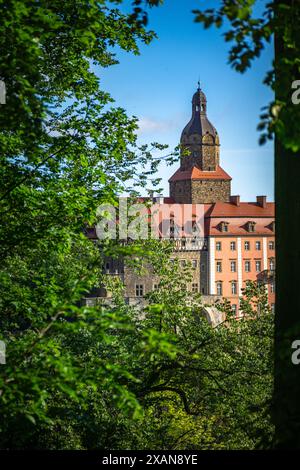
[{"x": 200, "y": 179}]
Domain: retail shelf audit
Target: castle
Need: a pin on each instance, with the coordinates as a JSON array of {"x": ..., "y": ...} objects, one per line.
[{"x": 238, "y": 243}]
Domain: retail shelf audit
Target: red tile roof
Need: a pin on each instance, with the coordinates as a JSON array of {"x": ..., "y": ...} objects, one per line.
[
  {"x": 244, "y": 209},
  {"x": 229, "y": 212},
  {"x": 196, "y": 174},
  {"x": 236, "y": 216},
  {"x": 239, "y": 230}
]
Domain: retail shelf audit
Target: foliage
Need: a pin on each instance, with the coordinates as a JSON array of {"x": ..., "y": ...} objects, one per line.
[
  {"x": 100, "y": 377},
  {"x": 161, "y": 378},
  {"x": 64, "y": 151},
  {"x": 205, "y": 388}
]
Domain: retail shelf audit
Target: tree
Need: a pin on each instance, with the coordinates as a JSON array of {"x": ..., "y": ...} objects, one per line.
[
  {"x": 64, "y": 151},
  {"x": 203, "y": 387}
]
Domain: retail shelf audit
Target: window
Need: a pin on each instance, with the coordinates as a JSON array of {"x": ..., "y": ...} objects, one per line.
[
  {"x": 257, "y": 245},
  {"x": 219, "y": 288},
  {"x": 271, "y": 245},
  {"x": 202, "y": 267},
  {"x": 272, "y": 264},
  {"x": 223, "y": 226},
  {"x": 247, "y": 266},
  {"x": 234, "y": 287},
  {"x": 218, "y": 246},
  {"x": 155, "y": 286},
  {"x": 182, "y": 263},
  {"x": 233, "y": 266},
  {"x": 107, "y": 266},
  {"x": 195, "y": 287},
  {"x": 251, "y": 226},
  {"x": 247, "y": 246},
  {"x": 194, "y": 263},
  {"x": 219, "y": 266},
  {"x": 257, "y": 266},
  {"x": 232, "y": 246},
  {"x": 234, "y": 308},
  {"x": 272, "y": 287},
  {"x": 139, "y": 290}
]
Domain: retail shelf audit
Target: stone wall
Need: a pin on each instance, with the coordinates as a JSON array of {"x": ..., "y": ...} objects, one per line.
[
  {"x": 191, "y": 152},
  {"x": 204, "y": 288},
  {"x": 146, "y": 278},
  {"x": 209, "y": 157},
  {"x": 180, "y": 191},
  {"x": 205, "y": 156},
  {"x": 208, "y": 191},
  {"x": 200, "y": 191}
]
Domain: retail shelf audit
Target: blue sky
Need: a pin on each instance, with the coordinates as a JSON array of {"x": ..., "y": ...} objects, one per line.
[{"x": 158, "y": 85}]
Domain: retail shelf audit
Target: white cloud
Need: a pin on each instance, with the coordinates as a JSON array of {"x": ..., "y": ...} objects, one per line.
[{"x": 148, "y": 125}]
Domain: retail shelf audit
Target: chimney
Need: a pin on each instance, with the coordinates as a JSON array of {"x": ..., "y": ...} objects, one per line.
[
  {"x": 235, "y": 200},
  {"x": 159, "y": 199},
  {"x": 261, "y": 201}
]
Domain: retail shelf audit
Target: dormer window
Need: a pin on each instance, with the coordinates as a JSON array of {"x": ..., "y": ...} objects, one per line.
[
  {"x": 251, "y": 226},
  {"x": 272, "y": 226},
  {"x": 223, "y": 226}
]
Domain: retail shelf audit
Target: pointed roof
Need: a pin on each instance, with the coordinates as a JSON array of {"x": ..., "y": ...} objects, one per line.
[{"x": 199, "y": 123}]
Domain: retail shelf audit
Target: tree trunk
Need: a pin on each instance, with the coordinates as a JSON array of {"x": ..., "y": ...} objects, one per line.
[{"x": 287, "y": 316}]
